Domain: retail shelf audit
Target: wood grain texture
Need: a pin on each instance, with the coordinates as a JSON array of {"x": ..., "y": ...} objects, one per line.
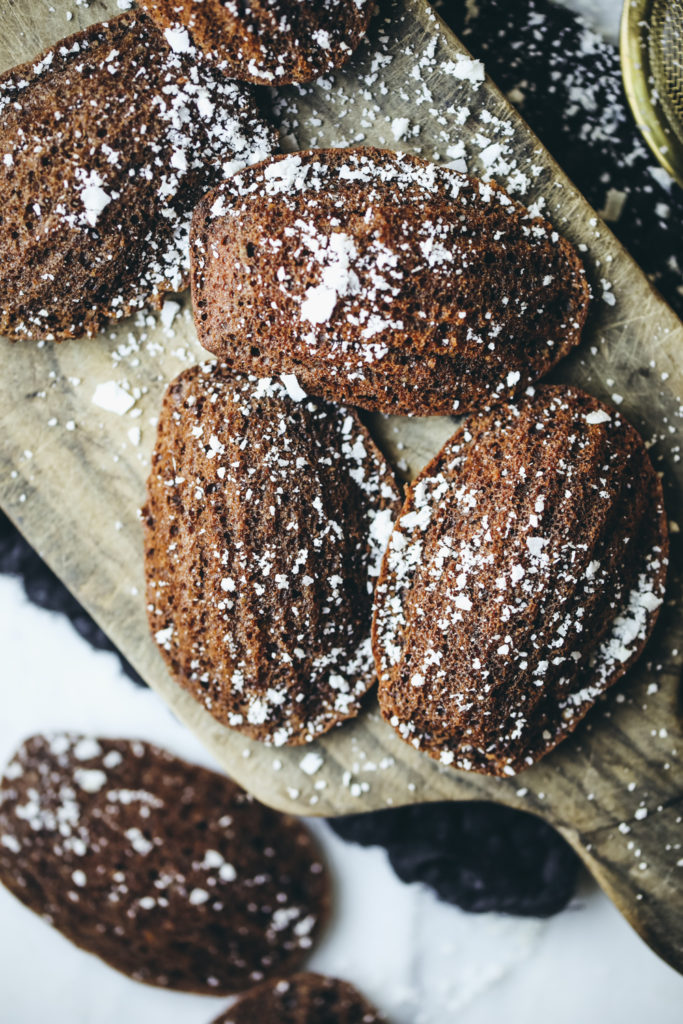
[{"x": 72, "y": 478}]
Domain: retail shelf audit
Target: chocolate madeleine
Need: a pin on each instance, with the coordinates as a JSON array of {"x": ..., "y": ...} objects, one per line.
[
  {"x": 383, "y": 281},
  {"x": 302, "y": 999},
  {"x": 167, "y": 871},
  {"x": 107, "y": 142},
  {"x": 270, "y": 42},
  {"x": 523, "y": 578},
  {"x": 265, "y": 525}
]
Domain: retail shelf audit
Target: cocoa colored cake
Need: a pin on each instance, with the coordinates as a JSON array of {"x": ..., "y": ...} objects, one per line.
[
  {"x": 167, "y": 871},
  {"x": 270, "y": 42},
  {"x": 383, "y": 281},
  {"x": 266, "y": 522},
  {"x": 302, "y": 999},
  {"x": 109, "y": 140},
  {"x": 523, "y": 578}
]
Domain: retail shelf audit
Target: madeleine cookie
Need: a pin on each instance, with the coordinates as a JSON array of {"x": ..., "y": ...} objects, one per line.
[
  {"x": 302, "y": 999},
  {"x": 523, "y": 578},
  {"x": 167, "y": 871},
  {"x": 265, "y": 525},
  {"x": 383, "y": 281},
  {"x": 270, "y": 42},
  {"x": 107, "y": 142}
]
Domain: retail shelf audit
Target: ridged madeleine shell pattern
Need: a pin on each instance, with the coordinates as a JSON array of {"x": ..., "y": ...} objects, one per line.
[
  {"x": 107, "y": 142},
  {"x": 265, "y": 526},
  {"x": 383, "y": 281},
  {"x": 523, "y": 578}
]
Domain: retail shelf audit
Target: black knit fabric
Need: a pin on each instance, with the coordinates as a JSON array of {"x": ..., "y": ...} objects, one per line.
[{"x": 478, "y": 855}]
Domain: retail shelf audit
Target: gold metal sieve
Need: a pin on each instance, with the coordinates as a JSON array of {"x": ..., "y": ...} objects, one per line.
[{"x": 652, "y": 66}]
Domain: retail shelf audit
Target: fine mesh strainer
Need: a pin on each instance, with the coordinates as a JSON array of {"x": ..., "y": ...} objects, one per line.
[{"x": 652, "y": 64}]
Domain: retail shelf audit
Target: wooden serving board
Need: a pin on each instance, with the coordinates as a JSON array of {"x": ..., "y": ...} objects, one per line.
[{"x": 72, "y": 473}]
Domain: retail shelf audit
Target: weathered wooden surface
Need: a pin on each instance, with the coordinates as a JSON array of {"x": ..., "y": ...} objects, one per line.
[{"x": 72, "y": 477}]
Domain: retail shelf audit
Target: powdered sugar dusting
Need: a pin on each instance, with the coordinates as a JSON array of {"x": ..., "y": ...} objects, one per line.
[
  {"x": 376, "y": 271},
  {"x": 260, "y": 453},
  {"x": 106, "y": 838},
  {"x": 127, "y": 155},
  {"x": 514, "y": 616}
]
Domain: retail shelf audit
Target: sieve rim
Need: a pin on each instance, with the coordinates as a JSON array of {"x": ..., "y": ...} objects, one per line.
[{"x": 651, "y": 118}]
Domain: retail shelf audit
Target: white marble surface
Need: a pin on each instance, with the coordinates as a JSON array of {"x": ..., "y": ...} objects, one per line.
[
  {"x": 423, "y": 962},
  {"x": 603, "y": 15}
]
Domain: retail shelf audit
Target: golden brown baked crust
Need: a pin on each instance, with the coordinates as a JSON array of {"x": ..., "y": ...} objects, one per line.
[
  {"x": 523, "y": 578},
  {"x": 265, "y": 526},
  {"x": 302, "y": 999},
  {"x": 269, "y": 42},
  {"x": 167, "y": 871},
  {"x": 383, "y": 281},
  {"x": 109, "y": 140}
]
